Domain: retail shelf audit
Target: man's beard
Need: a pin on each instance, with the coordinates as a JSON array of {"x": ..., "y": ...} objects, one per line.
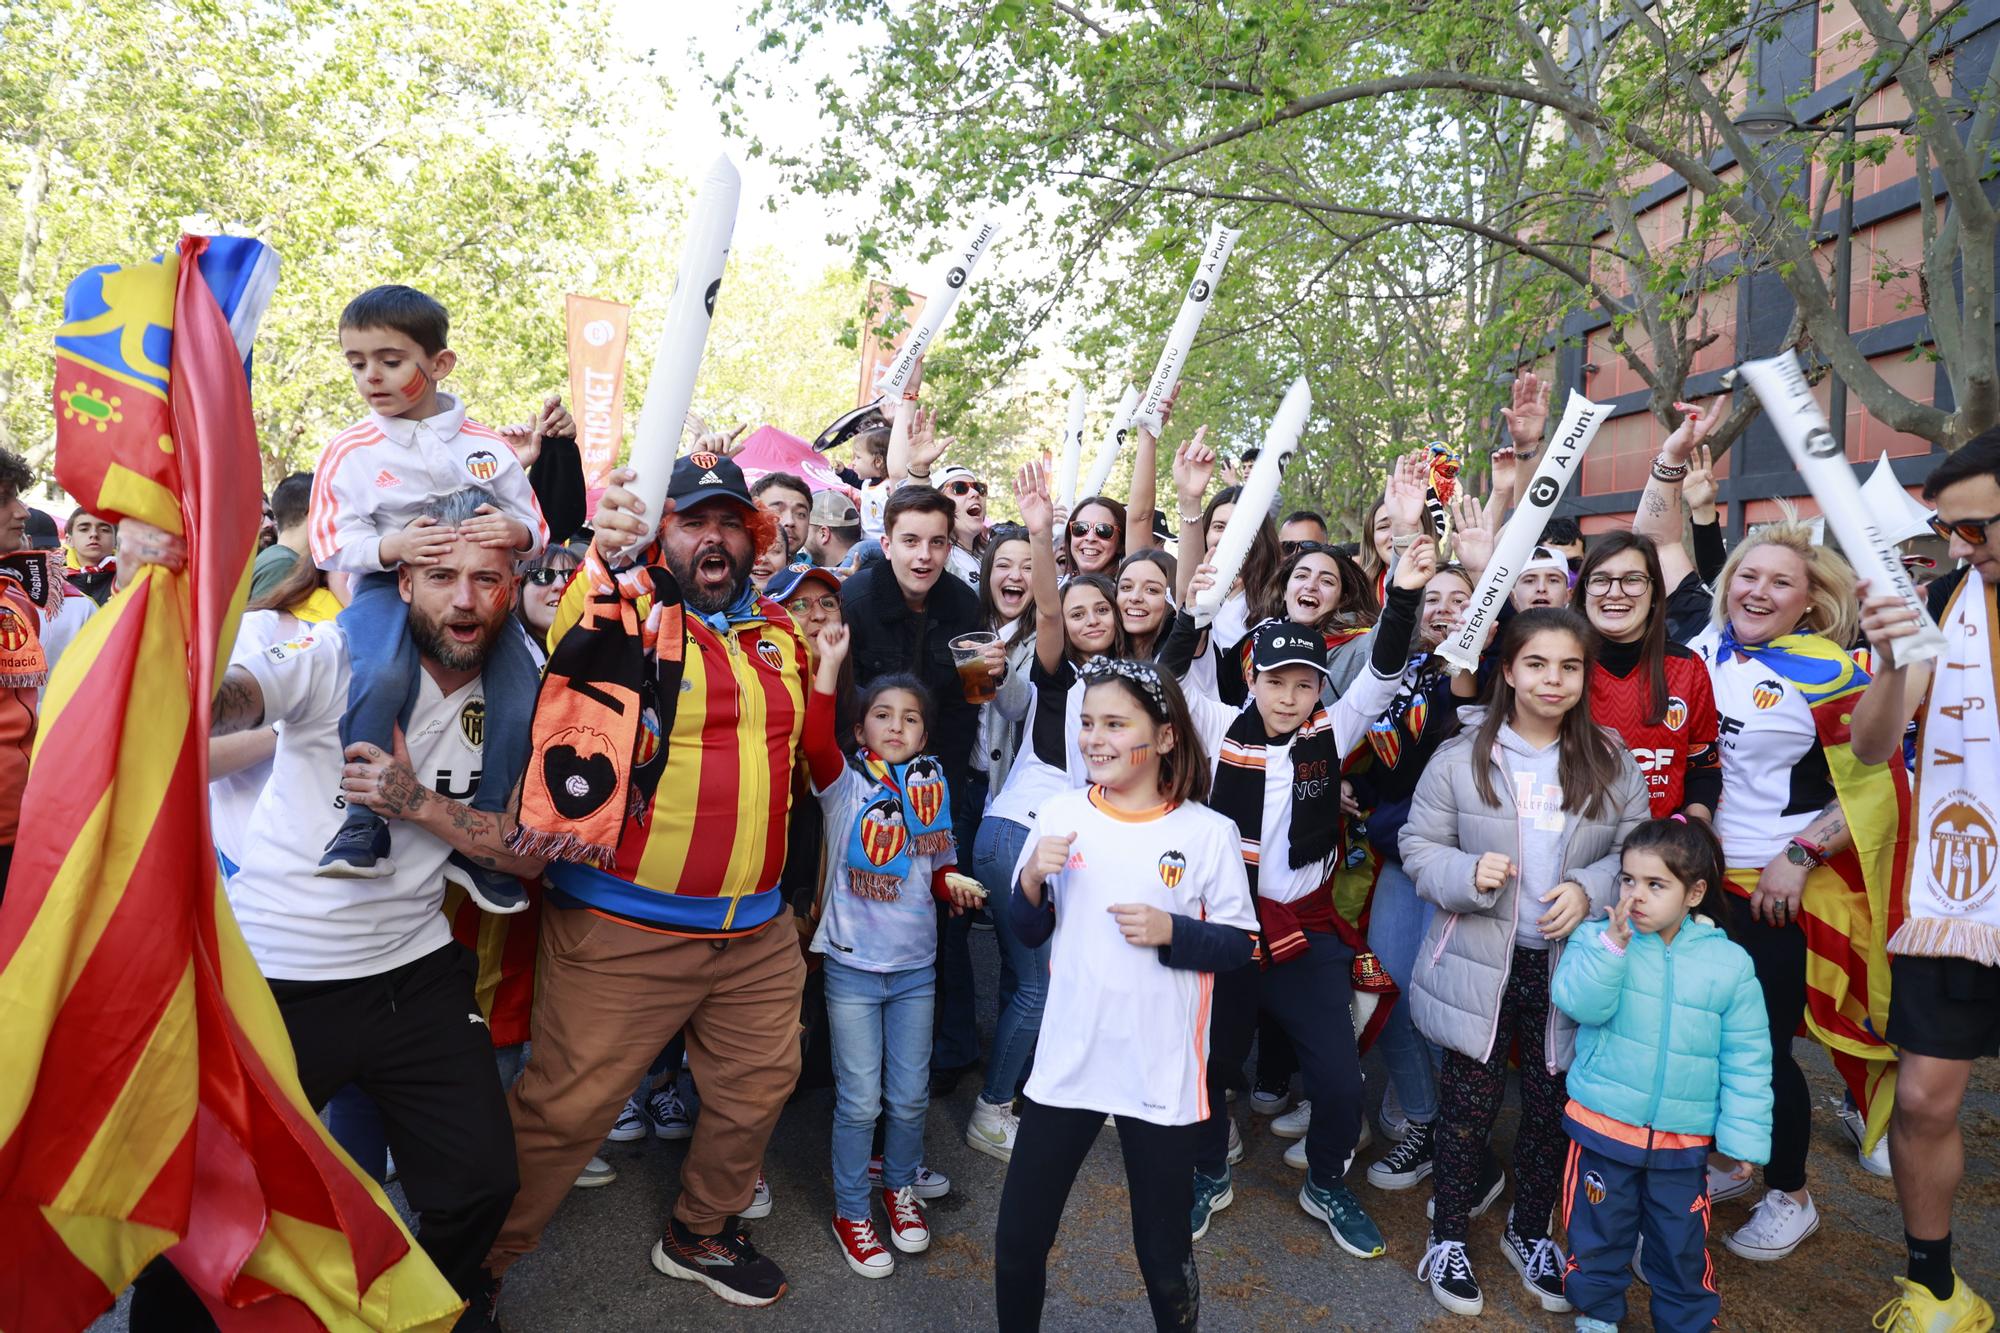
[
  {"x": 433, "y": 642},
  {"x": 701, "y": 599}
]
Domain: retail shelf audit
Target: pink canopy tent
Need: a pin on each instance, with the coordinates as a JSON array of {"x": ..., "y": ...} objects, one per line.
[{"x": 771, "y": 450}]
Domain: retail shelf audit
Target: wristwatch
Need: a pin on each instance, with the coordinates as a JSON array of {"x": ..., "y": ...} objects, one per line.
[{"x": 1802, "y": 853}]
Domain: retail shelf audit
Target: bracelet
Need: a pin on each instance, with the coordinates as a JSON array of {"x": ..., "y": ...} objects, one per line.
[
  {"x": 924, "y": 477},
  {"x": 1404, "y": 542},
  {"x": 1187, "y": 518},
  {"x": 1666, "y": 471}
]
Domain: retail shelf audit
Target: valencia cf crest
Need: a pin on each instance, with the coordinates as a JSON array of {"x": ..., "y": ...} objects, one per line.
[
  {"x": 883, "y": 833},
  {"x": 923, "y": 784},
  {"x": 1593, "y": 1187},
  {"x": 1963, "y": 850},
  {"x": 648, "y": 748},
  {"x": 1767, "y": 693},
  {"x": 1677, "y": 713},
  {"x": 771, "y": 655},
  {"x": 472, "y": 722},
  {"x": 13, "y": 630},
  {"x": 1173, "y": 867},
  {"x": 704, "y": 460},
  {"x": 483, "y": 466}
]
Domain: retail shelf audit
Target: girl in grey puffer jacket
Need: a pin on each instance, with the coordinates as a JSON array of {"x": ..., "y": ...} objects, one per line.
[{"x": 1514, "y": 832}]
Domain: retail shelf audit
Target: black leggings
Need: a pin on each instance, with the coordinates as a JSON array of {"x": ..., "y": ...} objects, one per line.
[
  {"x": 1779, "y": 955},
  {"x": 1159, "y": 1177},
  {"x": 1469, "y": 1097}
]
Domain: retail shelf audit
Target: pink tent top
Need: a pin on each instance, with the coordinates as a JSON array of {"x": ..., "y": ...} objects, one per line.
[{"x": 771, "y": 450}]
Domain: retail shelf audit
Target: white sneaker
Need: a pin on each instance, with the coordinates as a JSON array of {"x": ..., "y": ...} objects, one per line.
[
  {"x": 992, "y": 1130},
  {"x": 1294, "y": 1123},
  {"x": 1235, "y": 1143},
  {"x": 760, "y": 1202},
  {"x": 595, "y": 1172},
  {"x": 669, "y": 1113},
  {"x": 1295, "y": 1156},
  {"x": 1725, "y": 1185},
  {"x": 1394, "y": 1123},
  {"x": 930, "y": 1184},
  {"x": 1266, "y": 1101},
  {"x": 1777, "y": 1226},
  {"x": 1874, "y": 1163},
  {"x": 632, "y": 1123}
]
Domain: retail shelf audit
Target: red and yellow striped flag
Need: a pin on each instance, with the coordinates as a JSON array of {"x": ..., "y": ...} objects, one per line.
[{"x": 150, "y": 1102}]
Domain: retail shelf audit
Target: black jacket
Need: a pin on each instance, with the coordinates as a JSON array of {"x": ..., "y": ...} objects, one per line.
[{"x": 889, "y": 638}]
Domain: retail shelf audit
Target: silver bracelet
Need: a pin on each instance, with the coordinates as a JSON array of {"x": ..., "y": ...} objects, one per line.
[{"x": 1665, "y": 471}]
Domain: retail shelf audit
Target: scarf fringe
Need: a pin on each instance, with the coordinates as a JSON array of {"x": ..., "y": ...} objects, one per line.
[
  {"x": 867, "y": 884},
  {"x": 935, "y": 843},
  {"x": 1936, "y": 937},
  {"x": 560, "y": 846},
  {"x": 24, "y": 680}
]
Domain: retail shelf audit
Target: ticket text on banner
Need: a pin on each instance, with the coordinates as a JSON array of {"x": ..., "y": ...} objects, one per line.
[
  {"x": 1780, "y": 385},
  {"x": 1581, "y": 420},
  {"x": 597, "y": 330}
]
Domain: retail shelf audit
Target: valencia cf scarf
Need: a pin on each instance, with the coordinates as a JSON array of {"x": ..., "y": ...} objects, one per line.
[
  {"x": 580, "y": 783},
  {"x": 908, "y": 811},
  {"x": 23, "y": 663},
  {"x": 1239, "y": 788}
]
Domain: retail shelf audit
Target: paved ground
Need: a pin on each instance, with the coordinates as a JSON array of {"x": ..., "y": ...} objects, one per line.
[{"x": 1264, "y": 1264}]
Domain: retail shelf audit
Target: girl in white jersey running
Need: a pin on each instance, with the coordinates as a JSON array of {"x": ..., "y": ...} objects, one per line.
[
  {"x": 1143, "y": 891},
  {"x": 1784, "y": 606}
]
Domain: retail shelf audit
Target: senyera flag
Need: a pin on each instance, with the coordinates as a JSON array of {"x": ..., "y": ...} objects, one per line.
[{"x": 150, "y": 1102}]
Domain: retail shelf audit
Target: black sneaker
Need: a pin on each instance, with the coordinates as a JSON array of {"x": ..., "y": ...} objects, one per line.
[
  {"x": 482, "y": 1315},
  {"x": 499, "y": 894},
  {"x": 727, "y": 1265},
  {"x": 1540, "y": 1265},
  {"x": 1492, "y": 1184},
  {"x": 359, "y": 851},
  {"x": 1407, "y": 1163},
  {"x": 1449, "y": 1271}
]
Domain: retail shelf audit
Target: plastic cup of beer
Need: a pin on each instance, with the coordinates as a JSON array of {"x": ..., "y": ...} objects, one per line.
[{"x": 968, "y": 651}]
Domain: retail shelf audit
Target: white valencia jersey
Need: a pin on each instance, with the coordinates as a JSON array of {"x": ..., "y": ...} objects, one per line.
[
  {"x": 1775, "y": 779},
  {"x": 1122, "y": 1032},
  {"x": 304, "y": 928}
]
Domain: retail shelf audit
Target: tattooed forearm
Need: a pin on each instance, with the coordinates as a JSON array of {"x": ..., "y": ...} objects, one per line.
[
  {"x": 401, "y": 795},
  {"x": 239, "y": 704},
  {"x": 479, "y": 834}
]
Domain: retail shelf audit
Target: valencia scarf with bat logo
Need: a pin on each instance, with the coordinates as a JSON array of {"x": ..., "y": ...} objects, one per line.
[{"x": 909, "y": 810}]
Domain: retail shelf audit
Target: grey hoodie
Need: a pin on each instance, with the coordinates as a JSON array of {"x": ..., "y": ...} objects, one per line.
[{"x": 1468, "y": 951}]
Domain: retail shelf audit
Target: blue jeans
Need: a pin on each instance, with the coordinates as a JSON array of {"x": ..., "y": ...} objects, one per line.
[
  {"x": 1397, "y": 921},
  {"x": 382, "y": 688},
  {"x": 1024, "y": 980},
  {"x": 879, "y": 1026},
  {"x": 356, "y": 1125}
]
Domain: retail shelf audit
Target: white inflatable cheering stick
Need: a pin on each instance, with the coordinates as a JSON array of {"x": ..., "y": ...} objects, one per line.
[
  {"x": 1108, "y": 448},
  {"x": 954, "y": 271},
  {"x": 1253, "y": 506},
  {"x": 1194, "y": 305},
  {"x": 1781, "y": 387},
  {"x": 656, "y": 441},
  {"x": 1581, "y": 420},
  {"x": 1072, "y": 447}
]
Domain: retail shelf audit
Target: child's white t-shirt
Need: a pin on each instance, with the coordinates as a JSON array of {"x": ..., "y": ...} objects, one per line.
[
  {"x": 1122, "y": 1032},
  {"x": 871, "y": 933}
]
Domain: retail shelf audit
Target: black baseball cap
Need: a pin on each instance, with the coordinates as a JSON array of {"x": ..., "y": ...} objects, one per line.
[
  {"x": 701, "y": 477},
  {"x": 1277, "y": 643}
]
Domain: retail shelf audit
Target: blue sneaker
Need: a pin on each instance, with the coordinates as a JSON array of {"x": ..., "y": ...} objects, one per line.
[
  {"x": 360, "y": 850},
  {"x": 1353, "y": 1230},
  {"x": 1212, "y": 1194}
]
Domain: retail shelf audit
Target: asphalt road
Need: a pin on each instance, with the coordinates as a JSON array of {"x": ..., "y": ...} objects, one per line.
[{"x": 1264, "y": 1265}]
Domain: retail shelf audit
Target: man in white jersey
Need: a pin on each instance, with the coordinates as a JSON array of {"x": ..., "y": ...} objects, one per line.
[
  {"x": 373, "y": 989},
  {"x": 1944, "y": 1001}
]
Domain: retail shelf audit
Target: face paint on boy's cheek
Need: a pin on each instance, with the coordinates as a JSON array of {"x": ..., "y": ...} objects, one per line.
[{"x": 417, "y": 383}]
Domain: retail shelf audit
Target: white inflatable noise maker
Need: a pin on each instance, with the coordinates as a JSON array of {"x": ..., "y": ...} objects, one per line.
[
  {"x": 1072, "y": 447},
  {"x": 954, "y": 273},
  {"x": 656, "y": 441},
  {"x": 1281, "y": 441},
  {"x": 1194, "y": 307},
  {"x": 1110, "y": 446},
  {"x": 1867, "y": 537}
]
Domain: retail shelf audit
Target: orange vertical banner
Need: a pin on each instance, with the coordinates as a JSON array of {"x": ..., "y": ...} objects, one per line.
[{"x": 597, "y": 331}]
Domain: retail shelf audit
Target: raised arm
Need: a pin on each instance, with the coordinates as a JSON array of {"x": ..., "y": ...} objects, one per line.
[
  {"x": 1194, "y": 468},
  {"x": 1144, "y": 499},
  {"x": 1526, "y": 419},
  {"x": 1659, "y": 515},
  {"x": 1031, "y": 493},
  {"x": 1897, "y": 691}
]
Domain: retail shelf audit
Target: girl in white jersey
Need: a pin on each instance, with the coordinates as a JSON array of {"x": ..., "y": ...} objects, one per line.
[
  {"x": 1141, "y": 888},
  {"x": 1072, "y": 624},
  {"x": 1784, "y": 613}
]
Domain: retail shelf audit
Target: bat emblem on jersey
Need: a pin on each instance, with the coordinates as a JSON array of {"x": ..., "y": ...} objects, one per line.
[
  {"x": 1963, "y": 850},
  {"x": 1767, "y": 693},
  {"x": 883, "y": 832},
  {"x": 772, "y": 657},
  {"x": 1677, "y": 713},
  {"x": 483, "y": 466},
  {"x": 472, "y": 722},
  {"x": 1172, "y": 867},
  {"x": 1593, "y": 1187}
]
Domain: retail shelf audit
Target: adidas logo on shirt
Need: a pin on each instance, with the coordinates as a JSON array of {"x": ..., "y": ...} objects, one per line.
[
  {"x": 1075, "y": 861},
  {"x": 386, "y": 479}
]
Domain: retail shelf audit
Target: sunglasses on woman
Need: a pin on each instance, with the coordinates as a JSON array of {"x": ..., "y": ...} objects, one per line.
[
  {"x": 542, "y": 578},
  {"x": 964, "y": 488},
  {"x": 1104, "y": 531},
  {"x": 1971, "y": 531}
]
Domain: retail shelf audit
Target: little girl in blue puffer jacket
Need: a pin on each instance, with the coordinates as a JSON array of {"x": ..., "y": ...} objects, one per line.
[{"x": 1673, "y": 1058}]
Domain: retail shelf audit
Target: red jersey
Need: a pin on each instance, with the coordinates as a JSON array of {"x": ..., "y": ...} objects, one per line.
[{"x": 1678, "y": 753}]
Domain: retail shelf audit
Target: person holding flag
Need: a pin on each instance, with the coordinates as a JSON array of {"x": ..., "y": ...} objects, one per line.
[{"x": 1944, "y": 935}]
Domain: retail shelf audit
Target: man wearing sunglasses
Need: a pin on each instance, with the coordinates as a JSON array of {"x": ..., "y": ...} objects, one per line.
[
  {"x": 967, "y": 494},
  {"x": 1944, "y": 998},
  {"x": 1300, "y": 526}
]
